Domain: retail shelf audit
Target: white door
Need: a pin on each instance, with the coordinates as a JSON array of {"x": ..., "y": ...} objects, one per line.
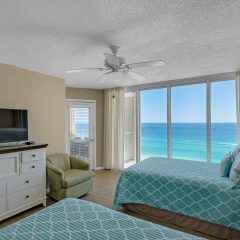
[{"x": 81, "y": 130}]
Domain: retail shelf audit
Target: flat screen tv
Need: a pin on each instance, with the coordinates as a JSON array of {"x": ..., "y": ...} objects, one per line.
[{"x": 13, "y": 125}]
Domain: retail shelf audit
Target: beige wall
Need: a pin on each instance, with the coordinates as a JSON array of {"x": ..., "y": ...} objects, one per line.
[
  {"x": 98, "y": 95},
  {"x": 43, "y": 96}
]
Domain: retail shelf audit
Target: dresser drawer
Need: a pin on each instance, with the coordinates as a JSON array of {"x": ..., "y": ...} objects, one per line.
[
  {"x": 2, "y": 189},
  {"x": 33, "y": 155},
  {"x": 32, "y": 167},
  {"x": 19, "y": 199},
  {"x": 24, "y": 181},
  {"x": 3, "y": 205}
]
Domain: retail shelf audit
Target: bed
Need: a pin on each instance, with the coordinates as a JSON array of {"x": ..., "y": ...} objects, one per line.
[
  {"x": 192, "y": 191},
  {"x": 78, "y": 219}
]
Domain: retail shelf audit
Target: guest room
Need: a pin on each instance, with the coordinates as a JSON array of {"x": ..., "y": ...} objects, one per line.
[{"x": 120, "y": 119}]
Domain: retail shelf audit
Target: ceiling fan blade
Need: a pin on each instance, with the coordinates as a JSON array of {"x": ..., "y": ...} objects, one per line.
[
  {"x": 112, "y": 59},
  {"x": 83, "y": 69},
  {"x": 136, "y": 76},
  {"x": 102, "y": 76},
  {"x": 156, "y": 63}
]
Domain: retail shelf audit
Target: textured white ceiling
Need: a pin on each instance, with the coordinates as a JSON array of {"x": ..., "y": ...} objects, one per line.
[{"x": 194, "y": 37}]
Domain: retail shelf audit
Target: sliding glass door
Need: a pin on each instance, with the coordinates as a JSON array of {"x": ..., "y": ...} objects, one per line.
[
  {"x": 196, "y": 121},
  {"x": 153, "y": 123},
  {"x": 188, "y": 113}
]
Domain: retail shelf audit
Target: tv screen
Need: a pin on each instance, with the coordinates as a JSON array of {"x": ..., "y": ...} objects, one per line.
[{"x": 13, "y": 125}]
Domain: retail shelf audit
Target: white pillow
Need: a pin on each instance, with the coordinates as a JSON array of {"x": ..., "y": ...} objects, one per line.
[
  {"x": 235, "y": 171},
  {"x": 235, "y": 151}
]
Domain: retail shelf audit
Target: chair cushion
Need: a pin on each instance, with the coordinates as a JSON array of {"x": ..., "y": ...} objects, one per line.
[
  {"x": 73, "y": 177},
  {"x": 61, "y": 160}
]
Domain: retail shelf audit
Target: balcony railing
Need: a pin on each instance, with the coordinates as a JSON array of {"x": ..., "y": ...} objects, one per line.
[{"x": 80, "y": 148}]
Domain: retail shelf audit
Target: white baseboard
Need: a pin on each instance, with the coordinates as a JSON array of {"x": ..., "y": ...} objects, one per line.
[{"x": 99, "y": 168}]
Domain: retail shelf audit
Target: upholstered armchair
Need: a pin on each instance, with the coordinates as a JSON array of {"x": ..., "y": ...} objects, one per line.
[{"x": 68, "y": 176}]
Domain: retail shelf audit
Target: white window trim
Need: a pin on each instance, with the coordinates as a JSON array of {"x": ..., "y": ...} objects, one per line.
[
  {"x": 169, "y": 122},
  {"x": 69, "y": 101},
  {"x": 169, "y": 84},
  {"x": 208, "y": 121}
]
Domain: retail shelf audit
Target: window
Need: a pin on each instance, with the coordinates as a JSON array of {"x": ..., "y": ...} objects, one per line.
[
  {"x": 79, "y": 131},
  {"x": 154, "y": 123},
  {"x": 188, "y": 125},
  {"x": 223, "y": 119},
  {"x": 195, "y": 121}
]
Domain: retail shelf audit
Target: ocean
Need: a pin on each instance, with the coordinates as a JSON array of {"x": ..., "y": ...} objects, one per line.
[{"x": 188, "y": 140}]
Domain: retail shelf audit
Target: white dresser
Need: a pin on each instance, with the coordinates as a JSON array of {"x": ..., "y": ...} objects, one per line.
[{"x": 22, "y": 179}]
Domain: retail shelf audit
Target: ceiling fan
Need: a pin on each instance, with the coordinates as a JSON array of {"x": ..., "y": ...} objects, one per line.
[{"x": 115, "y": 64}]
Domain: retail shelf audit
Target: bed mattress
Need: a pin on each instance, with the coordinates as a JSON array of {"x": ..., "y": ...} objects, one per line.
[
  {"x": 191, "y": 188},
  {"x": 78, "y": 219}
]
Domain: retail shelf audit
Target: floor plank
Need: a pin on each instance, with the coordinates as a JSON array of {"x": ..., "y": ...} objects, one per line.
[{"x": 104, "y": 186}]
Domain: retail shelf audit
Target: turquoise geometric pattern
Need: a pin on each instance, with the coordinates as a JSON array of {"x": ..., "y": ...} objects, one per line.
[
  {"x": 190, "y": 188},
  {"x": 74, "y": 219}
]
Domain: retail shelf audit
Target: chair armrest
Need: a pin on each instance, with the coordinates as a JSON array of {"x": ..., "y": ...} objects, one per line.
[
  {"x": 55, "y": 169},
  {"x": 55, "y": 176},
  {"x": 77, "y": 163}
]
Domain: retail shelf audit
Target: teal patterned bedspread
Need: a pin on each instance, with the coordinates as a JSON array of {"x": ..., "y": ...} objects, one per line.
[
  {"x": 191, "y": 188},
  {"x": 74, "y": 219}
]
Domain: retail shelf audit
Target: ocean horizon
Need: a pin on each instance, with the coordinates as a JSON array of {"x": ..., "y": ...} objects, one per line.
[{"x": 189, "y": 140}]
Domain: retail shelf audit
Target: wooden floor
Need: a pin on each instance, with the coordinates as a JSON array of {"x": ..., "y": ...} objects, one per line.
[{"x": 105, "y": 182}]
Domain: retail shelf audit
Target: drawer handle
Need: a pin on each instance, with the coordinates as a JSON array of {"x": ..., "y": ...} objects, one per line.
[
  {"x": 27, "y": 196},
  {"x": 27, "y": 181},
  {"x": 33, "y": 166},
  {"x": 33, "y": 155}
]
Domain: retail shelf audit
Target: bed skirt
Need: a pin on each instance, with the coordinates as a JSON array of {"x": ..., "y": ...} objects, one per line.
[{"x": 186, "y": 222}]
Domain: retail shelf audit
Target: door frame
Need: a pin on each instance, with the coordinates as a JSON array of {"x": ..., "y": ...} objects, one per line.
[{"x": 78, "y": 101}]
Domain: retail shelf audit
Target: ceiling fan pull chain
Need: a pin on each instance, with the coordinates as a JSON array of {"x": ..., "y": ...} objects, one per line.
[{"x": 113, "y": 96}]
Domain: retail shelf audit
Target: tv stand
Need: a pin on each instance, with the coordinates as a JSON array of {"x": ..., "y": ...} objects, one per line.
[
  {"x": 12, "y": 145},
  {"x": 17, "y": 148}
]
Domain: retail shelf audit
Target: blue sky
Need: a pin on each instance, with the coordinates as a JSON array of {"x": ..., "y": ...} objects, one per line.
[{"x": 189, "y": 103}]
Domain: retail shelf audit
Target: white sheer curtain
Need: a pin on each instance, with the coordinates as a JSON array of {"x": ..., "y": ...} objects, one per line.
[
  {"x": 113, "y": 128},
  {"x": 238, "y": 103}
]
